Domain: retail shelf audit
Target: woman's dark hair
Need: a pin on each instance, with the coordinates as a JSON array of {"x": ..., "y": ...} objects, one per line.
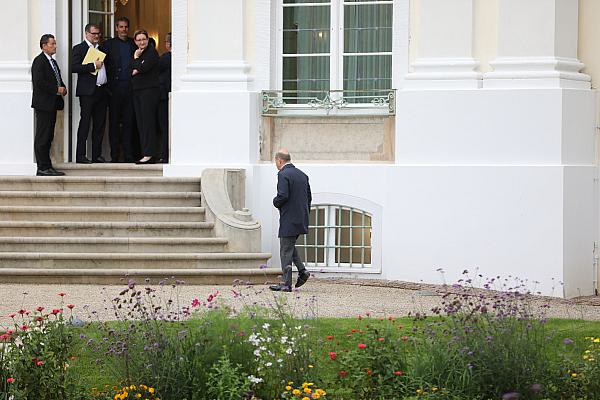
[{"x": 140, "y": 32}]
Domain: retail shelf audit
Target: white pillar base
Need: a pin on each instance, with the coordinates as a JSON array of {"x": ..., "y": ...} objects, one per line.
[
  {"x": 444, "y": 73},
  {"x": 536, "y": 72},
  {"x": 217, "y": 75}
]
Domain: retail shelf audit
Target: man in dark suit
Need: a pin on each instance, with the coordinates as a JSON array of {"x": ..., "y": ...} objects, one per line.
[
  {"x": 164, "y": 79},
  {"x": 119, "y": 54},
  {"x": 93, "y": 96},
  {"x": 48, "y": 92},
  {"x": 293, "y": 201}
]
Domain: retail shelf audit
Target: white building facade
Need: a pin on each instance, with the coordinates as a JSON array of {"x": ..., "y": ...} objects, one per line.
[{"x": 452, "y": 134}]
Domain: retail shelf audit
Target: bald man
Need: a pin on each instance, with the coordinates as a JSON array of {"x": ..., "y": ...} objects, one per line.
[{"x": 293, "y": 201}]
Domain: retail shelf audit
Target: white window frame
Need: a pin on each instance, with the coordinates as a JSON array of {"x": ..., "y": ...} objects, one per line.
[{"x": 336, "y": 46}]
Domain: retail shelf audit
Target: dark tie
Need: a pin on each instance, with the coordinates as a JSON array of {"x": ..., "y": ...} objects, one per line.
[{"x": 56, "y": 73}]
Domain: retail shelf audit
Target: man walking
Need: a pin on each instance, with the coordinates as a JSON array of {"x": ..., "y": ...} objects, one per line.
[
  {"x": 119, "y": 54},
  {"x": 93, "y": 96},
  {"x": 293, "y": 201},
  {"x": 48, "y": 92}
]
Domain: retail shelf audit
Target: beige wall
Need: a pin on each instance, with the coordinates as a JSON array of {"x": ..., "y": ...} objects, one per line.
[{"x": 485, "y": 31}]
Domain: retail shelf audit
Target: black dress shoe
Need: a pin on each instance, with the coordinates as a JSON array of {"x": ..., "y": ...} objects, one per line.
[
  {"x": 99, "y": 160},
  {"x": 162, "y": 161},
  {"x": 49, "y": 172},
  {"x": 280, "y": 288},
  {"x": 302, "y": 278},
  {"x": 82, "y": 160},
  {"x": 149, "y": 161},
  {"x": 57, "y": 173}
]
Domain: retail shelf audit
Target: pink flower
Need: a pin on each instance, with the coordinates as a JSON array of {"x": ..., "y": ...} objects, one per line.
[
  {"x": 4, "y": 337},
  {"x": 332, "y": 355},
  {"x": 362, "y": 345},
  {"x": 24, "y": 328},
  {"x": 211, "y": 297},
  {"x": 195, "y": 303},
  {"x": 381, "y": 339},
  {"x": 22, "y": 312},
  {"x": 61, "y": 294},
  {"x": 342, "y": 373},
  {"x": 39, "y": 363},
  {"x": 398, "y": 373},
  {"x": 40, "y": 309},
  {"x": 56, "y": 311},
  {"x": 12, "y": 315},
  {"x": 10, "y": 380},
  {"x": 329, "y": 337},
  {"x": 70, "y": 306}
]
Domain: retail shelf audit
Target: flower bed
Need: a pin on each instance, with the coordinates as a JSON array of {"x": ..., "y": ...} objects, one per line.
[{"x": 477, "y": 345}]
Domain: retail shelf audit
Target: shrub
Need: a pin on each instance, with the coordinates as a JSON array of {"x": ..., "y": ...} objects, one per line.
[{"x": 226, "y": 380}]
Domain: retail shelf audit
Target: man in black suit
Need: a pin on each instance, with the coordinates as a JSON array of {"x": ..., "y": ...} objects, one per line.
[
  {"x": 164, "y": 79},
  {"x": 293, "y": 201},
  {"x": 93, "y": 96},
  {"x": 119, "y": 54},
  {"x": 48, "y": 92}
]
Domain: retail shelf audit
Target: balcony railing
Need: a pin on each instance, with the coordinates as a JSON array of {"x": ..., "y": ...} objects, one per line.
[{"x": 338, "y": 102}]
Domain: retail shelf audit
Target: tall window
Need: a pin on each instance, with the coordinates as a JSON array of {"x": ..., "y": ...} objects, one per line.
[
  {"x": 338, "y": 236},
  {"x": 336, "y": 44},
  {"x": 101, "y": 12}
]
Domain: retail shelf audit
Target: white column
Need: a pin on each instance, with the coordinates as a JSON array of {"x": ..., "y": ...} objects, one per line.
[
  {"x": 16, "y": 114},
  {"x": 445, "y": 47},
  {"x": 537, "y": 46},
  {"x": 214, "y": 118}
]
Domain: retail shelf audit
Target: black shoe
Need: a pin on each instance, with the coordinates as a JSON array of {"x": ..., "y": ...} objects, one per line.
[
  {"x": 302, "y": 278},
  {"x": 162, "y": 161},
  {"x": 99, "y": 160},
  {"x": 49, "y": 172},
  {"x": 149, "y": 161},
  {"x": 82, "y": 160},
  {"x": 57, "y": 173},
  {"x": 280, "y": 288}
]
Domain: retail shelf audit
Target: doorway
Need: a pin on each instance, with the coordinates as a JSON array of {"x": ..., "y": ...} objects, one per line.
[{"x": 152, "y": 15}]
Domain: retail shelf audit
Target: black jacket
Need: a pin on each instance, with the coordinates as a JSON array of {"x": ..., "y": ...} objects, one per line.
[
  {"x": 112, "y": 61},
  {"x": 164, "y": 76},
  {"x": 86, "y": 82},
  {"x": 293, "y": 201},
  {"x": 147, "y": 66},
  {"x": 45, "y": 88}
]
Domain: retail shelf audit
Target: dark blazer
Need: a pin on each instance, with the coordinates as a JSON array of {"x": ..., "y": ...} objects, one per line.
[
  {"x": 112, "y": 61},
  {"x": 45, "y": 88},
  {"x": 293, "y": 201},
  {"x": 86, "y": 82},
  {"x": 164, "y": 76},
  {"x": 147, "y": 65}
]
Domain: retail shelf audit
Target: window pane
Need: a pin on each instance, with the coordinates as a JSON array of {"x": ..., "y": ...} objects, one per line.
[
  {"x": 101, "y": 20},
  {"x": 306, "y": 77},
  {"x": 306, "y": 30},
  {"x": 99, "y": 5},
  {"x": 368, "y": 73},
  {"x": 304, "y": 1},
  {"x": 368, "y": 28}
]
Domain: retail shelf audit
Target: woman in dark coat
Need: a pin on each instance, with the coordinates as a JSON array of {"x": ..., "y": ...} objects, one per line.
[{"x": 146, "y": 93}]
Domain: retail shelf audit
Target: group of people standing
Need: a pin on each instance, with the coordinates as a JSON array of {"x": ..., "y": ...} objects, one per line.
[{"x": 132, "y": 82}]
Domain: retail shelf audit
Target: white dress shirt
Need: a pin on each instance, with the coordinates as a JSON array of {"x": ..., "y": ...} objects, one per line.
[{"x": 101, "y": 78}]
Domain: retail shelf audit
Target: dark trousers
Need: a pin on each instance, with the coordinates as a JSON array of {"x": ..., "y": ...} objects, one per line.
[
  {"x": 145, "y": 104},
  {"x": 289, "y": 255},
  {"x": 44, "y": 133},
  {"x": 120, "y": 116},
  {"x": 163, "y": 126},
  {"x": 93, "y": 109}
]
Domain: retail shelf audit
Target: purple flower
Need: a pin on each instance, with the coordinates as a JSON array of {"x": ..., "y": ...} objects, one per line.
[
  {"x": 511, "y": 396},
  {"x": 537, "y": 387},
  {"x": 567, "y": 341},
  {"x": 263, "y": 266}
]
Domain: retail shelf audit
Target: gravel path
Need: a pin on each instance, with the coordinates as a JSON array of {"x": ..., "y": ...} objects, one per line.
[{"x": 321, "y": 297}]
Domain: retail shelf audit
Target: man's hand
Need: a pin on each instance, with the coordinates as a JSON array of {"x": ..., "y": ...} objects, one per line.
[
  {"x": 98, "y": 63},
  {"x": 62, "y": 91}
]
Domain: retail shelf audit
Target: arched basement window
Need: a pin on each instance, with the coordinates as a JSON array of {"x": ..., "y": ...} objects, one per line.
[{"x": 338, "y": 237}]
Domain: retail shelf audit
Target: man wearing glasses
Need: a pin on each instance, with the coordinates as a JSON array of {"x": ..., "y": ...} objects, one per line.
[{"x": 93, "y": 96}]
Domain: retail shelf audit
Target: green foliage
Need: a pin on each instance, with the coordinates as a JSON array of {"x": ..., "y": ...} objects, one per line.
[{"x": 226, "y": 380}]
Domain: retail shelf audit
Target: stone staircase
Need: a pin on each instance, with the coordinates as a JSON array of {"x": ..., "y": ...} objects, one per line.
[{"x": 102, "y": 223}]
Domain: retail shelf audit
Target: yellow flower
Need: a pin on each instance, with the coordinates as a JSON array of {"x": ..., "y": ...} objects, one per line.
[
  {"x": 295, "y": 392},
  {"x": 574, "y": 375},
  {"x": 307, "y": 390},
  {"x": 305, "y": 398},
  {"x": 288, "y": 388},
  {"x": 138, "y": 395},
  {"x": 315, "y": 395},
  {"x": 597, "y": 340},
  {"x": 434, "y": 389},
  {"x": 310, "y": 366},
  {"x": 151, "y": 390},
  {"x": 290, "y": 383}
]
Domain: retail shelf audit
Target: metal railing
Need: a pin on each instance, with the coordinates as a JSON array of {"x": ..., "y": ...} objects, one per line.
[{"x": 302, "y": 102}]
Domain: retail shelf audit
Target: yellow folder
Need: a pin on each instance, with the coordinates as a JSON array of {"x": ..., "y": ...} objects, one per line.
[{"x": 92, "y": 55}]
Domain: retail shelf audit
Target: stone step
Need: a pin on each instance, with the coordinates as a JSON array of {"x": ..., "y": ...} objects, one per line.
[
  {"x": 78, "y": 198},
  {"x": 112, "y": 245},
  {"x": 106, "y": 229},
  {"x": 101, "y": 214},
  {"x": 215, "y": 276},
  {"x": 110, "y": 169},
  {"x": 100, "y": 183},
  {"x": 125, "y": 261}
]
